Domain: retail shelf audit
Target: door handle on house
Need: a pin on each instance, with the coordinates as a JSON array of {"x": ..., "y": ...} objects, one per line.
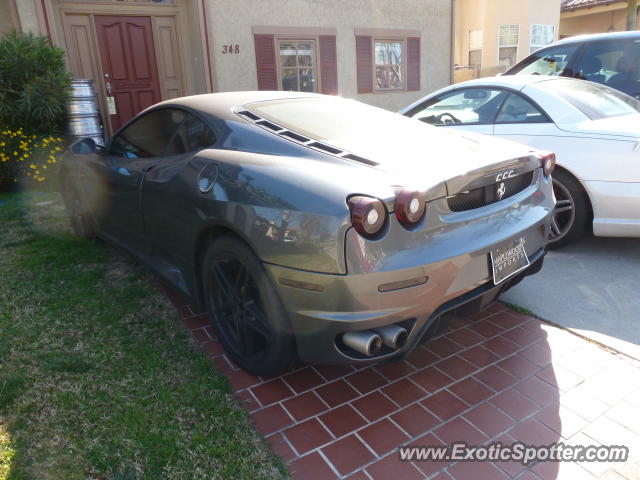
[{"x": 107, "y": 85}]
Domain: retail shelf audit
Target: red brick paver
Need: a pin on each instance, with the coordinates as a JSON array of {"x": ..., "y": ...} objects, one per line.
[{"x": 496, "y": 376}]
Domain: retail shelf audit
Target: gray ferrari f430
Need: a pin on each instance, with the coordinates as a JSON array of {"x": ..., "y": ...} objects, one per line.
[{"x": 311, "y": 226}]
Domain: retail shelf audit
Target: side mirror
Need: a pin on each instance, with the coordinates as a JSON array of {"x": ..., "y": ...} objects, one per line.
[{"x": 86, "y": 145}]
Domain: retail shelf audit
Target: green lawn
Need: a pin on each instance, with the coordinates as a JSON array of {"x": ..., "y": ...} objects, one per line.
[{"x": 98, "y": 380}]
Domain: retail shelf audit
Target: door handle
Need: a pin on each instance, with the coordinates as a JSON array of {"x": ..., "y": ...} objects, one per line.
[
  {"x": 107, "y": 85},
  {"x": 146, "y": 168}
]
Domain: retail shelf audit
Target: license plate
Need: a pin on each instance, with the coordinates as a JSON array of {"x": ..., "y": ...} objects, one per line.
[{"x": 508, "y": 259}]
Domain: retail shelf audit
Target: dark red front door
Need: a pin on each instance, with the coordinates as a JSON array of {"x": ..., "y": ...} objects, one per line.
[{"x": 129, "y": 65}]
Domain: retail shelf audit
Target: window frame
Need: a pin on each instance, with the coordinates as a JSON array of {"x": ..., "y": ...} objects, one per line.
[
  {"x": 517, "y": 44},
  {"x": 385, "y": 38},
  {"x": 538, "y": 47},
  {"x": 316, "y": 54}
]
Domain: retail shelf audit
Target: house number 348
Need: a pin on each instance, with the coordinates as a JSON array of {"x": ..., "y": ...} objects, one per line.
[{"x": 231, "y": 48}]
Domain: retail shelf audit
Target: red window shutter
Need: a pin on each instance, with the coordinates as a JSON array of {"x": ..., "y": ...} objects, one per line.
[
  {"x": 364, "y": 64},
  {"x": 413, "y": 63},
  {"x": 266, "y": 62},
  {"x": 328, "y": 65}
]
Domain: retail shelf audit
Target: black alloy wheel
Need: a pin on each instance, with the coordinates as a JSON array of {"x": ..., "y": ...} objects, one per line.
[{"x": 245, "y": 309}]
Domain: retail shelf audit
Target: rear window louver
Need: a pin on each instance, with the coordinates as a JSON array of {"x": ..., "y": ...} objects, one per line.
[
  {"x": 295, "y": 136},
  {"x": 325, "y": 148},
  {"x": 301, "y": 139}
]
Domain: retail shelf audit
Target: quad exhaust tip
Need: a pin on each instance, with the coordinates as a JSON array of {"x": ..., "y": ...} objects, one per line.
[
  {"x": 366, "y": 342},
  {"x": 393, "y": 336},
  {"x": 370, "y": 342}
]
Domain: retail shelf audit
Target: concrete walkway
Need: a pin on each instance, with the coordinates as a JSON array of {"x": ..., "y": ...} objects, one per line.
[{"x": 591, "y": 287}]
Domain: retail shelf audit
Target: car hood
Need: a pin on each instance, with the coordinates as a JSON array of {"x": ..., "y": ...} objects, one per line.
[{"x": 621, "y": 126}]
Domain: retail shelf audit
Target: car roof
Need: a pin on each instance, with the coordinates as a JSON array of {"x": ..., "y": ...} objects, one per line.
[
  {"x": 598, "y": 36},
  {"x": 222, "y": 104}
]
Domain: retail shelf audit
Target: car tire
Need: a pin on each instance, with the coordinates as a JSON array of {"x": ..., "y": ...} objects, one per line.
[
  {"x": 79, "y": 214},
  {"x": 572, "y": 212},
  {"x": 245, "y": 308}
]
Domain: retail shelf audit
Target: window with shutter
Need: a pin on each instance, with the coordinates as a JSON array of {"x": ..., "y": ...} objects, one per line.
[
  {"x": 387, "y": 60},
  {"x": 296, "y": 59}
]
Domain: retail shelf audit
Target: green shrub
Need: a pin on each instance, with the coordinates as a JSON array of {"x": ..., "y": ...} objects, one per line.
[
  {"x": 34, "y": 91},
  {"x": 34, "y": 84}
]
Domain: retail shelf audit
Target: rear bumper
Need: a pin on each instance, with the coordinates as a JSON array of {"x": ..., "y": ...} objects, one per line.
[
  {"x": 354, "y": 302},
  {"x": 616, "y": 208}
]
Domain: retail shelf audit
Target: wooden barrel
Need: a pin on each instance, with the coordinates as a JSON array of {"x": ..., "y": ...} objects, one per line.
[{"x": 83, "y": 115}]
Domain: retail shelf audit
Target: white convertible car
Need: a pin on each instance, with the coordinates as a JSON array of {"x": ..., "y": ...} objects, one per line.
[{"x": 593, "y": 130}]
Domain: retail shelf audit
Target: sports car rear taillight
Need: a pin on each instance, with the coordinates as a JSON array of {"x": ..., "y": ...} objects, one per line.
[
  {"x": 410, "y": 206},
  {"x": 548, "y": 163},
  {"x": 368, "y": 214}
]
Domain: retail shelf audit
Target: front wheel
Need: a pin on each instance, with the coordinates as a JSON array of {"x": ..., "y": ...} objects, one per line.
[
  {"x": 571, "y": 214},
  {"x": 245, "y": 308}
]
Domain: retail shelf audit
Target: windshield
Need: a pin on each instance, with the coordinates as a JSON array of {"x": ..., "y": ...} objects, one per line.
[{"x": 595, "y": 101}]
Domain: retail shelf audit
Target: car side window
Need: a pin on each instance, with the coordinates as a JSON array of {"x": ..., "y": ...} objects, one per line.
[
  {"x": 149, "y": 135},
  {"x": 461, "y": 107},
  {"x": 517, "y": 109},
  {"x": 615, "y": 63},
  {"x": 193, "y": 135}
]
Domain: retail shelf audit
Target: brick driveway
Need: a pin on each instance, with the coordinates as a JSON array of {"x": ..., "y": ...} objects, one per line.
[{"x": 497, "y": 376}]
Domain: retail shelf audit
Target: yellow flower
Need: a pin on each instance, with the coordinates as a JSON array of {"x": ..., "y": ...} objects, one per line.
[{"x": 32, "y": 166}]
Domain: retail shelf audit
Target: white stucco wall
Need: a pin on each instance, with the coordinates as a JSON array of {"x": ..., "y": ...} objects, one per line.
[{"x": 231, "y": 22}]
